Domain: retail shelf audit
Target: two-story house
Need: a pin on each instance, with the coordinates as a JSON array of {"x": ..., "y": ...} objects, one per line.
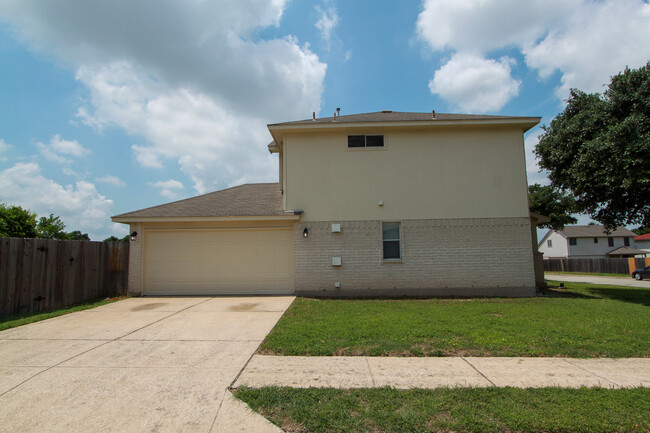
[
  {"x": 376, "y": 204},
  {"x": 586, "y": 242}
]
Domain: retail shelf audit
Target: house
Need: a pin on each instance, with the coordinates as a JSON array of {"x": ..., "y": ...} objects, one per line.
[
  {"x": 642, "y": 242},
  {"x": 375, "y": 204},
  {"x": 590, "y": 241}
]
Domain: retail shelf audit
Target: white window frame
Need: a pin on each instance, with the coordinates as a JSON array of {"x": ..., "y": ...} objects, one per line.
[{"x": 399, "y": 242}]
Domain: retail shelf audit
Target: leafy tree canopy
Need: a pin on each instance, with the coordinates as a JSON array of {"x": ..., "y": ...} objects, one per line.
[
  {"x": 598, "y": 149},
  {"x": 77, "y": 236},
  {"x": 641, "y": 230},
  {"x": 50, "y": 228},
  {"x": 550, "y": 202},
  {"x": 116, "y": 239},
  {"x": 17, "y": 222}
]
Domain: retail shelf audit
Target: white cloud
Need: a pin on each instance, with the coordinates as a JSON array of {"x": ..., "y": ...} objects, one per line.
[
  {"x": 327, "y": 21},
  {"x": 475, "y": 84},
  {"x": 586, "y": 41},
  {"x": 58, "y": 148},
  {"x": 111, "y": 180},
  {"x": 146, "y": 156},
  {"x": 595, "y": 42},
  {"x": 80, "y": 206},
  {"x": 192, "y": 79},
  {"x": 4, "y": 146},
  {"x": 168, "y": 188},
  {"x": 533, "y": 171}
]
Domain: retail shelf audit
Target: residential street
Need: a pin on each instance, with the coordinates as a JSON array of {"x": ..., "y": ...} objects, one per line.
[{"x": 595, "y": 279}]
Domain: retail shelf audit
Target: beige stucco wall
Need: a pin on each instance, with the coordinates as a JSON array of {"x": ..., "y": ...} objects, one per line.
[
  {"x": 450, "y": 172},
  {"x": 441, "y": 257}
]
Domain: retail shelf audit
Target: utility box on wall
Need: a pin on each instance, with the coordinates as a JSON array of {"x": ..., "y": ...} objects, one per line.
[
  {"x": 336, "y": 228},
  {"x": 336, "y": 261}
]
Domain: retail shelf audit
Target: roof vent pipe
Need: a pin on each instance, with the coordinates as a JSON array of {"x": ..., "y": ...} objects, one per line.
[
  {"x": 433, "y": 114},
  {"x": 338, "y": 112},
  {"x": 313, "y": 115}
]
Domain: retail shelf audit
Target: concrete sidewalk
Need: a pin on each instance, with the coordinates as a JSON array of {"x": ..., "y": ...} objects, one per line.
[{"x": 370, "y": 372}]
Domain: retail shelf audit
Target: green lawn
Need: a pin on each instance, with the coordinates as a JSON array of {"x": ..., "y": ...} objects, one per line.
[
  {"x": 583, "y": 320},
  {"x": 24, "y": 319},
  {"x": 599, "y": 274},
  {"x": 452, "y": 410}
]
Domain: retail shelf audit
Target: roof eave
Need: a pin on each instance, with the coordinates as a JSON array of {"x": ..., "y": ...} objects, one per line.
[
  {"x": 525, "y": 122},
  {"x": 128, "y": 220}
]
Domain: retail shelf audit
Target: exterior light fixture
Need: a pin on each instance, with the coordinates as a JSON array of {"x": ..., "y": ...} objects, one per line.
[
  {"x": 305, "y": 232},
  {"x": 134, "y": 235}
]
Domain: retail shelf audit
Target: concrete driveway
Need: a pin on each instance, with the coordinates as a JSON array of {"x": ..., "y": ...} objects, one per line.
[
  {"x": 138, "y": 365},
  {"x": 598, "y": 279}
]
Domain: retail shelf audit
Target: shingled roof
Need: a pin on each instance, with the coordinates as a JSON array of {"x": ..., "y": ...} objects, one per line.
[
  {"x": 593, "y": 231},
  {"x": 398, "y": 116},
  {"x": 625, "y": 251},
  {"x": 253, "y": 199}
]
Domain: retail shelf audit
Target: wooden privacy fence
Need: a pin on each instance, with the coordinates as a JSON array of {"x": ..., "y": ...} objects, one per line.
[
  {"x": 601, "y": 265},
  {"x": 45, "y": 274}
]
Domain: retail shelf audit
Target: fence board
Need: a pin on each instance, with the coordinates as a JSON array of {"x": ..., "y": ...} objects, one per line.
[
  {"x": 45, "y": 274},
  {"x": 596, "y": 265}
]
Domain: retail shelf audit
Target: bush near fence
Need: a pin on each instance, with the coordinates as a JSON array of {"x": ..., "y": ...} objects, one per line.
[
  {"x": 599, "y": 265},
  {"x": 46, "y": 274}
]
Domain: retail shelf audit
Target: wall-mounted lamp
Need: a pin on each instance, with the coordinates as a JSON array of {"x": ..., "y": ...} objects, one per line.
[
  {"x": 305, "y": 233},
  {"x": 134, "y": 235}
]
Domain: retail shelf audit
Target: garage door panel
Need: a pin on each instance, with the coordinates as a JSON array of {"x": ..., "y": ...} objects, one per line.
[{"x": 219, "y": 262}]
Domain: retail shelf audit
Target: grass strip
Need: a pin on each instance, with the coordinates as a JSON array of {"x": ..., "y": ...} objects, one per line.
[
  {"x": 24, "y": 319},
  {"x": 325, "y": 410},
  {"x": 580, "y": 321}
]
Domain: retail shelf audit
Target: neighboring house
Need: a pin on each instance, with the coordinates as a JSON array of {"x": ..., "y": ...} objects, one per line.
[
  {"x": 642, "y": 242},
  {"x": 375, "y": 204},
  {"x": 589, "y": 241}
]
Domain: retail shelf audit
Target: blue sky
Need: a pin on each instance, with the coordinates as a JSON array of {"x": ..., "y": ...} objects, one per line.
[{"x": 112, "y": 106}]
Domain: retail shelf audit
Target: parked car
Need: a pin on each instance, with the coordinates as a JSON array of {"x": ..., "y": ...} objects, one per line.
[{"x": 641, "y": 273}]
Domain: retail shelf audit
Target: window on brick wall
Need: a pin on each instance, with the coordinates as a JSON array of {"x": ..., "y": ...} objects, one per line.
[{"x": 391, "y": 240}]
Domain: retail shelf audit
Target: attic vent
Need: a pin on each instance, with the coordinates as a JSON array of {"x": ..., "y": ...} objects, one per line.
[{"x": 386, "y": 111}]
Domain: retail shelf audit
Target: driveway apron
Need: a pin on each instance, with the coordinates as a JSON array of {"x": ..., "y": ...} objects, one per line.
[{"x": 138, "y": 365}]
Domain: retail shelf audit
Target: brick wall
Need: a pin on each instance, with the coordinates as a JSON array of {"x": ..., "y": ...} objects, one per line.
[{"x": 446, "y": 257}]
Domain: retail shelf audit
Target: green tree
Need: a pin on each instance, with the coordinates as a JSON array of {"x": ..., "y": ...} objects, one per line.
[
  {"x": 556, "y": 205},
  {"x": 51, "y": 228},
  {"x": 76, "y": 236},
  {"x": 116, "y": 239},
  {"x": 598, "y": 149},
  {"x": 641, "y": 230},
  {"x": 17, "y": 222}
]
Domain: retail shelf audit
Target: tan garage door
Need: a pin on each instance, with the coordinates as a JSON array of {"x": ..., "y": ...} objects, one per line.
[{"x": 197, "y": 262}]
